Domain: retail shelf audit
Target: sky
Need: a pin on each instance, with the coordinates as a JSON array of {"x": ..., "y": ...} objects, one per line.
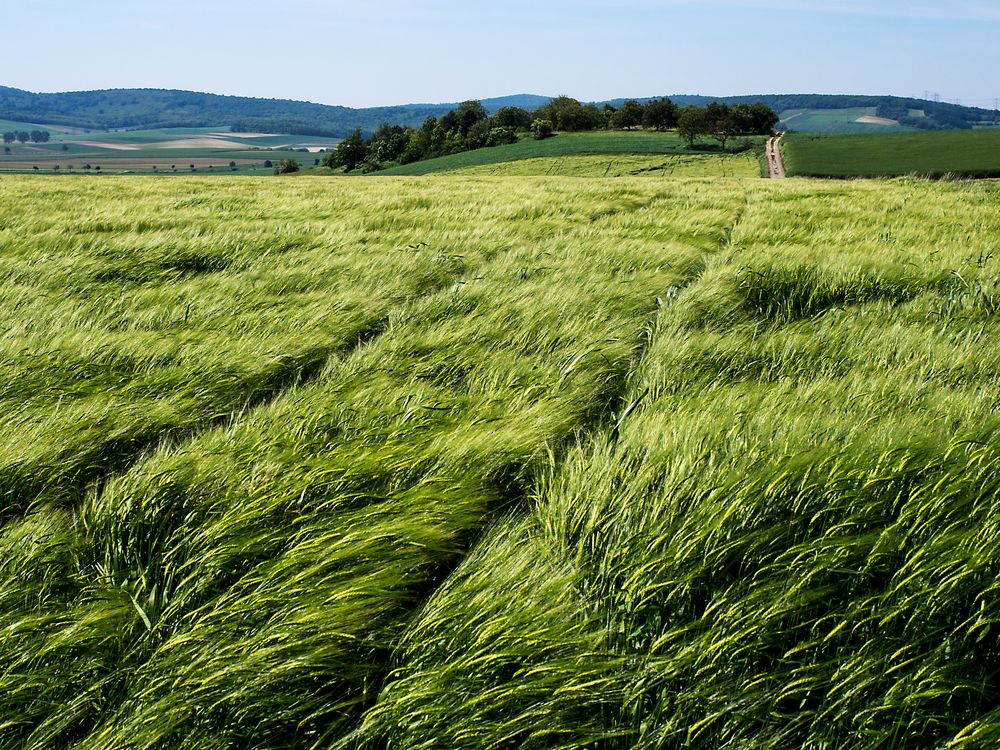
[{"x": 385, "y": 52}]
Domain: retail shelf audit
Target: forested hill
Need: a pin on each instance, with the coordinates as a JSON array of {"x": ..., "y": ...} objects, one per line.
[
  {"x": 113, "y": 109},
  {"x": 159, "y": 108},
  {"x": 917, "y": 113}
]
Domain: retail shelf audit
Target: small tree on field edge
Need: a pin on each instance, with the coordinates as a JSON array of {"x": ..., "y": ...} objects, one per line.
[{"x": 691, "y": 124}]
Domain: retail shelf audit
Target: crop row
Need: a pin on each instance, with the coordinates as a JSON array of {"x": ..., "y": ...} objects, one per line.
[
  {"x": 788, "y": 539},
  {"x": 247, "y": 583}
]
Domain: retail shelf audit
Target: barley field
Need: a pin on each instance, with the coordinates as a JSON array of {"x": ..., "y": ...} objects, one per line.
[
  {"x": 668, "y": 166},
  {"x": 474, "y": 462}
]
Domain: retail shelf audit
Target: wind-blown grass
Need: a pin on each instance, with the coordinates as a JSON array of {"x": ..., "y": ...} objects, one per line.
[
  {"x": 629, "y": 463},
  {"x": 246, "y": 585},
  {"x": 785, "y": 540},
  {"x": 622, "y": 165}
]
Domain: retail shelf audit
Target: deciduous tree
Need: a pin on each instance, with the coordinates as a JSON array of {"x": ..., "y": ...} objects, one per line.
[
  {"x": 628, "y": 116},
  {"x": 350, "y": 152},
  {"x": 660, "y": 114},
  {"x": 720, "y": 123},
  {"x": 469, "y": 113},
  {"x": 512, "y": 117},
  {"x": 691, "y": 123}
]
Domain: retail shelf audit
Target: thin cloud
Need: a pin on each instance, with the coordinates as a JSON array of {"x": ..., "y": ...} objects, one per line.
[{"x": 953, "y": 11}]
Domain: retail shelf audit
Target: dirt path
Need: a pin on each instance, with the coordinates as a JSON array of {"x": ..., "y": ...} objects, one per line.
[{"x": 775, "y": 166}]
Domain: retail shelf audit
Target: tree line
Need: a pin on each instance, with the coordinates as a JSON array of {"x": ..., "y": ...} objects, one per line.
[
  {"x": 469, "y": 126},
  {"x": 23, "y": 136}
]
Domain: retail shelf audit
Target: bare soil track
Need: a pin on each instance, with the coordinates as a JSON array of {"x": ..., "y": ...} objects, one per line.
[{"x": 775, "y": 166}]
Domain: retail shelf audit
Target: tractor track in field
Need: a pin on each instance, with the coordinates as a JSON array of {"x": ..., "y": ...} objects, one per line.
[
  {"x": 119, "y": 455},
  {"x": 617, "y": 404}
]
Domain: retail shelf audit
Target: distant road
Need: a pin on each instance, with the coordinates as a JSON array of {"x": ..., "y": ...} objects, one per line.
[{"x": 776, "y": 168}]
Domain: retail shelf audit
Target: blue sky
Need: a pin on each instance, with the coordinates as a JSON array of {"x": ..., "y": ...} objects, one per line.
[{"x": 394, "y": 51}]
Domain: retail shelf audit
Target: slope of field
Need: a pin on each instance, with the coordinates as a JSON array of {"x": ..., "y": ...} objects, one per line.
[
  {"x": 847, "y": 120},
  {"x": 970, "y": 153},
  {"x": 622, "y": 165},
  {"x": 474, "y": 462},
  {"x": 564, "y": 144}
]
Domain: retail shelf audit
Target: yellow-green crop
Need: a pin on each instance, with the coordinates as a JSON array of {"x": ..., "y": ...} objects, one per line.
[{"x": 498, "y": 462}]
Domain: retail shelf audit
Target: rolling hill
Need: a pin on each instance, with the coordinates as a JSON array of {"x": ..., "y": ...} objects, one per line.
[{"x": 114, "y": 109}]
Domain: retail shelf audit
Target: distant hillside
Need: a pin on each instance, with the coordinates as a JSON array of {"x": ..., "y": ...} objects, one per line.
[
  {"x": 115, "y": 109},
  {"x": 160, "y": 108},
  {"x": 906, "y": 113}
]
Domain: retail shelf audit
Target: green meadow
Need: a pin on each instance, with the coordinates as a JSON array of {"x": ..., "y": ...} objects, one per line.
[
  {"x": 958, "y": 153},
  {"x": 563, "y": 144},
  {"x": 500, "y": 461},
  {"x": 621, "y": 165},
  {"x": 843, "y": 120}
]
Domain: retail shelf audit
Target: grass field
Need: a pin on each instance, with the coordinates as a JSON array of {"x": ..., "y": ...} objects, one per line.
[
  {"x": 970, "y": 153},
  {"x": 837, "y": 121},
  {"x": 499, "y": 462},
  {"x": 563, "y": 144},
  {"x": 622, "y": 165},
  {"x": 165, "y": 151}
]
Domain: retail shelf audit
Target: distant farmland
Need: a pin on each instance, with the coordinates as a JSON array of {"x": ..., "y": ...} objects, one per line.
[
  {"x": 164, "y": 150},
  {"x": 846, "y": 120},
  {"x": 966, "y": 153}
]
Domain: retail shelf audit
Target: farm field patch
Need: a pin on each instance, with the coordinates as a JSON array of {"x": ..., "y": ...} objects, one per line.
[
  {"x": 510, "y": 461},
  {"x": 563, "y": 144},
  {"x": 622, "y": 165},
  {"x": 968, "y": 153},
  {"x": 845, "y": 120},
  {"x": 166, "y": 150}
]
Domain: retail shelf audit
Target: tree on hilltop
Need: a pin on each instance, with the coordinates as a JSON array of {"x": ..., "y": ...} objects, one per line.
[
  {"x": 469, "y": 113},
  {"x": 566, "y": 113},
  {"x": 513, "y": 117},
  {"x": 628, "y": 116},
  {"x": 660, "y": 114}
]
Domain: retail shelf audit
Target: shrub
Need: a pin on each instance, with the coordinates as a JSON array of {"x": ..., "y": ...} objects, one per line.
[{"x": 542, "y": 129}]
